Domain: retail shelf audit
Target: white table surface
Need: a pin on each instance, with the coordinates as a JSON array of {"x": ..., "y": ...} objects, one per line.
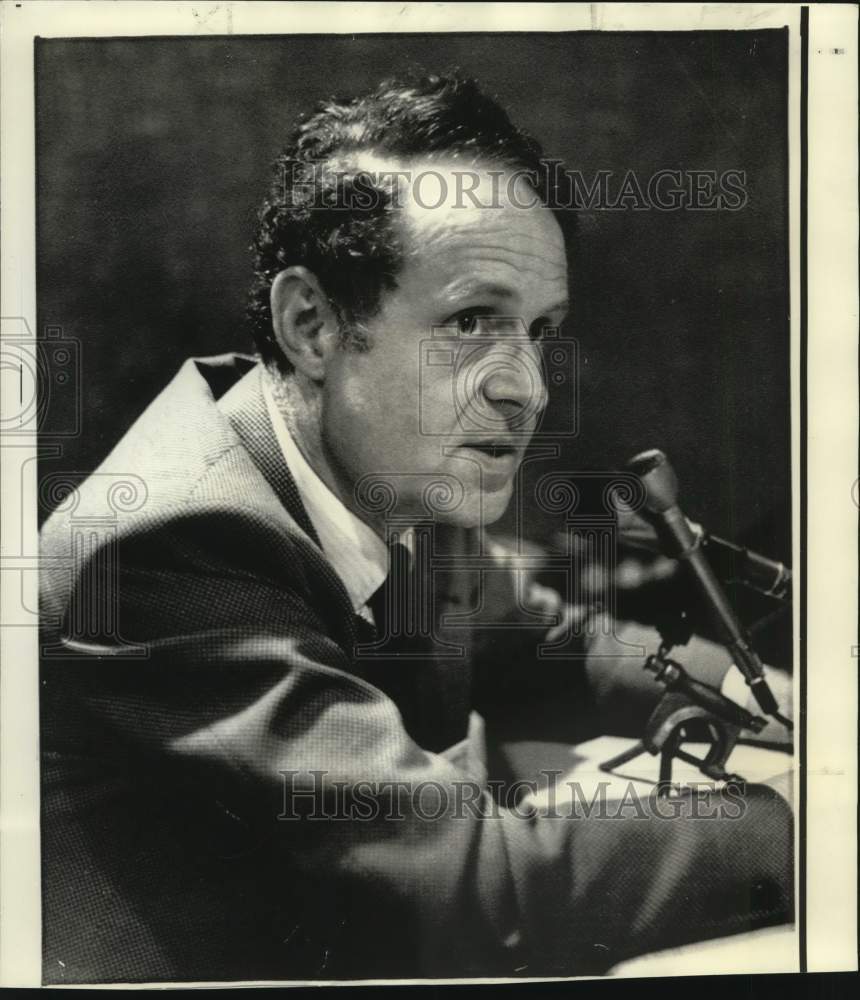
[{"x": 580, "y": 763}]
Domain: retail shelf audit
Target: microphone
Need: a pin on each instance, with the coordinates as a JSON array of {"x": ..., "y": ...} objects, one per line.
[
  {"x": 732, "y": 563},
  {"x": 680, "y": 541}
]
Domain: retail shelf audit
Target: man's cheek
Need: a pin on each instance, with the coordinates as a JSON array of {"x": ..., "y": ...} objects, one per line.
[{"x": 427, "y": 385}]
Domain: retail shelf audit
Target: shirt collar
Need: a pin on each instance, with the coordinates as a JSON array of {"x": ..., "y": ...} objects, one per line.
[{"x": 357, "y": 553}]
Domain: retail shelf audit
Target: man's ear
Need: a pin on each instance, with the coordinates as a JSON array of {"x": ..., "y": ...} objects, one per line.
[{"x": 305, "y": 326}]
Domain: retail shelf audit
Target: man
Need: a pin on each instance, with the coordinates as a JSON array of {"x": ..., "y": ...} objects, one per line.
[{"x": 233, "y": 764}]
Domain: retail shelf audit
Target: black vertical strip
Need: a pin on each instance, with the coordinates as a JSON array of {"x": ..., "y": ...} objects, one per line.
[{"x": 804, "y": 331}]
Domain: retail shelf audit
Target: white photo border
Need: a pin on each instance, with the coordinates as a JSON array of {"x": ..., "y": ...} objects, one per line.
[{"x": 823, "y": 201}]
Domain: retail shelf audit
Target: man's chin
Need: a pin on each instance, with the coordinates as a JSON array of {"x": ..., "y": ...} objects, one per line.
[{"x": 478, "y": 508}]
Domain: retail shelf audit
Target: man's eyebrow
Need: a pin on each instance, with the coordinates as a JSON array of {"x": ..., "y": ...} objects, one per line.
[
  {"x": 487, "y": 288},
  {"x": 495, "y": 290}
]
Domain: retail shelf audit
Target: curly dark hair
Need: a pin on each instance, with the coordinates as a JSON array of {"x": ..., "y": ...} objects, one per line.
[{"x": 325, "y": 214}]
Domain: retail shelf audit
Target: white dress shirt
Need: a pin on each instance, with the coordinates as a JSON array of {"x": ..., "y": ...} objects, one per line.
[{"x": 358, "y": 555}]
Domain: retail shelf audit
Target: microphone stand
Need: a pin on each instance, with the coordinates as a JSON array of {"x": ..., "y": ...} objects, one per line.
[{"x": 687, "y": 701}]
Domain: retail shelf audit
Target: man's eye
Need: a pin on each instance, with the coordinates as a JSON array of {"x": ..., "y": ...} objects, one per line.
[{"x": 467, "y": 323}]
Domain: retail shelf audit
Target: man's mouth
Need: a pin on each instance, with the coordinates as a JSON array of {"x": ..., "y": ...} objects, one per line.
[
  {"x": 492, "y": 449},
  {"x": 498, "y": 460}
]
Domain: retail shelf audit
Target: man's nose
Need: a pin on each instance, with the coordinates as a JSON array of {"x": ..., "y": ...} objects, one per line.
[{"x": 513, "y": 385}]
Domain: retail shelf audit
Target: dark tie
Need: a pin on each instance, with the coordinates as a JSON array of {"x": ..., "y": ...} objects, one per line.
[{"x": 431, "y": 690}]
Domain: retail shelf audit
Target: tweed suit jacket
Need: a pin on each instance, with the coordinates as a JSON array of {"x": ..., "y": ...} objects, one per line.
[{"x": 224, "y": 675}]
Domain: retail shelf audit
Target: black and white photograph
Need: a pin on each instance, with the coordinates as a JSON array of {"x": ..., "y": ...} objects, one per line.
[{"x": 412, "y": 446}]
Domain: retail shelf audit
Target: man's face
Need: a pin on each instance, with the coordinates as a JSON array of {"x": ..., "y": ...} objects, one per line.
[{"x": 459, "y": 407}]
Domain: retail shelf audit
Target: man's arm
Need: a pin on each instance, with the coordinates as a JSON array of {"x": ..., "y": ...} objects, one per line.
[
  {"x": 603, "y": 687},
  {"x": 243, "y": 695}
]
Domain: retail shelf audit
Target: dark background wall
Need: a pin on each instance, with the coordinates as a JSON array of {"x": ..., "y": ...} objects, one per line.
[{"x": 153, "y": 154}]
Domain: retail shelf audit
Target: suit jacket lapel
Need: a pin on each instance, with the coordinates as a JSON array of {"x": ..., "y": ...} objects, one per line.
[{"x": 246, "y": 410}]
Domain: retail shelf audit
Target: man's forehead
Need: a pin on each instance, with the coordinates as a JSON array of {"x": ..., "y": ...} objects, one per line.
[
  {"x": 471, "y": 243},
  {"x": 469, "y": 227},
  {"x": 447, "y": 195},
  {"x": 451, "y": 198}
]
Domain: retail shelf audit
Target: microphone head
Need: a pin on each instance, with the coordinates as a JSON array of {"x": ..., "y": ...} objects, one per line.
[{"x": 657, "y": 476}]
